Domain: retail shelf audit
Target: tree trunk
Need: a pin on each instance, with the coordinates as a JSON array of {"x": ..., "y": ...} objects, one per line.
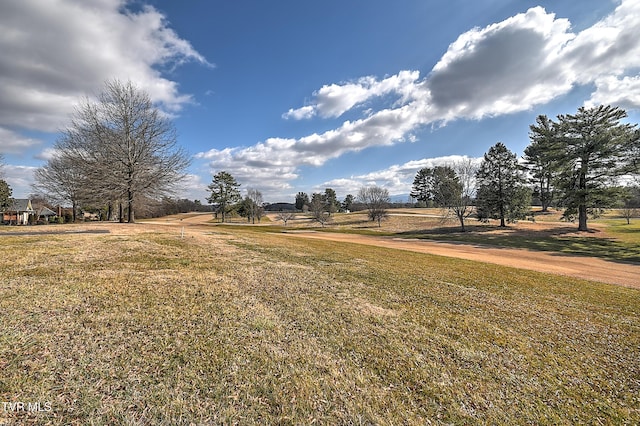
[
  {"x": 120, "y": 212},
  {"x": 543, "y": 196},
  {"x": 131, "y": 216},
  {"x": 582, "y": 204},
  {"x": 461, "y": 219},
  {"x": 582, "y": 217},
  {"x": 501, "y": 195}
]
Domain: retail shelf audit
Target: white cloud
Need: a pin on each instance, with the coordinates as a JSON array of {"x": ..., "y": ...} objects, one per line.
[
  {"x": 193, "y": 187},
  {"x": 611, "y": 90},
  {"x": 46, "y": 154},
  {"x": 253, "y": 168},
  {"x": 54, "y": 53},
  {"x": 270, "y": 166},
  {"x": 302, "y": 113},
  {"x": 12, "y": 142},
  {"x": 333, "y": 100},
  {"x": 608, "y": 48},
  {"x": 19, "y": 179},
  {"x": 397, "y": 178}
]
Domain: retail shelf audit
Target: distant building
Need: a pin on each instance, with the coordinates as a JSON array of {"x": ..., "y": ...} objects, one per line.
[
  {"x": 19, "y": 212},
  {"x": 45, "y": 213}
]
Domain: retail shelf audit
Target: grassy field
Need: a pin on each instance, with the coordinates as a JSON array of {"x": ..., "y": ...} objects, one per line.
[{"x": 237, "y": 326}]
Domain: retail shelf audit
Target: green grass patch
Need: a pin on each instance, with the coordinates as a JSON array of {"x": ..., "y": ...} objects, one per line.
[
  {"x": 616, "y": 249},
  {"x": 258, "y": 328}
]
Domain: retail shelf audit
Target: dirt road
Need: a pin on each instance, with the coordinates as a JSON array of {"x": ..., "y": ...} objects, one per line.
[{"x": 588, "y": 268}]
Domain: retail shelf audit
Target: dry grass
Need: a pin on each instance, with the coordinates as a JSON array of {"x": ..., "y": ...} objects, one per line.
[{"x": 241, "y": 327}]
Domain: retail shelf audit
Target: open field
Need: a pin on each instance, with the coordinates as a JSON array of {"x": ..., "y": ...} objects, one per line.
[{"x": 230, "y": 325}]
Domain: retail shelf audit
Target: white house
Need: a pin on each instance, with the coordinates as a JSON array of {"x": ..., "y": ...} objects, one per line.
[{"x": 19, "y": 212}]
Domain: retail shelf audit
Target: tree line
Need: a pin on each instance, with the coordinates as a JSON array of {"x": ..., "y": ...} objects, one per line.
[
  {"x": 226, "y": 199},
  {"x": 119, "y": 156},
  {"x": 573, "y": 163}
]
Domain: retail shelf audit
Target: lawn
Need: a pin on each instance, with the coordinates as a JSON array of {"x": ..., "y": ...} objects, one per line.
[{"x": 235, "y": 326}]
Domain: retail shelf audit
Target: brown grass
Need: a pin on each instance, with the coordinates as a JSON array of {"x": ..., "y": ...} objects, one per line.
[{"x": 231, "y": 326}]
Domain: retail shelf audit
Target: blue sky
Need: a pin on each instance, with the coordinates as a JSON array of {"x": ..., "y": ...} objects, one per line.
[{"x": 294, "y": 95}]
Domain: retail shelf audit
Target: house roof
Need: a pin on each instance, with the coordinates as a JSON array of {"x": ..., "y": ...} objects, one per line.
[
  {"x": 20, "y": 205},
  {"x": 46, "y": 211}
]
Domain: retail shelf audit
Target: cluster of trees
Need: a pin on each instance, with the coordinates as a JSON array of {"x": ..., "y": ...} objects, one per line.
[
  {"x": 118, "y": 151},
  {"x": 374, "y": 199},
  {"x": 226, "y": 198},
  {"x": 576, "y": 160},
  {"x": 451, "y": 186},
  {"x": 573, "y": 163},
  {"x": 169, "y": 206}
]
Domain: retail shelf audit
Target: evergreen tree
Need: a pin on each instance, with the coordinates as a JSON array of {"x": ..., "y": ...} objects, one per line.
[
  {"x": 331, "y": 200},
  {"x": 540, "y": 158},
  {"x": 422, "y": 189},
  {"x": 302, "y": 199},
  {"x": 502, "y": 193},
  {"x": 224, "y": 192},
  {"x": 593, "y": 148},
  {"x": 446, "y": 186},
  {"x": 5, "y": 196},
  {"x": 347, "y": 204}
]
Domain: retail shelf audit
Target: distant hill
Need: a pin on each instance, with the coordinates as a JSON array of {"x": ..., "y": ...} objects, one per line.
[{"x": 280, "y": 207}]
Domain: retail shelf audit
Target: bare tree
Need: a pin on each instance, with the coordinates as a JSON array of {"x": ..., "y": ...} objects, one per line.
[
  {"x": 124, "y": 147},
  {"x": 376, "y": 200},
  {"x": 285, "y": 216},
  {"x": 61, "y": 179},
  {"x": 631, "y": 203},
  {"x": 462, "y": 205},
  {"x": 5, "y": 190},
  {"x": 317, "y": 207},
  {"x": 255, "y": 205}
]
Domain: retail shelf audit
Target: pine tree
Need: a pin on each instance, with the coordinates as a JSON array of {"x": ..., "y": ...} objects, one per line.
[
  {"x": 594, "y": 148},
  {"x": 224, "y": 192},
  {"x": 502, "y": 193},
  {"x": 422, "y": 189},
  {"x": 540, "y": 159},
  {"x": 5, "y": 195}
]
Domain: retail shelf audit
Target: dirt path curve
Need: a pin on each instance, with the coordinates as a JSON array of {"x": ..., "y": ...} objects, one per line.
[{"x": 588, "y": 268}]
